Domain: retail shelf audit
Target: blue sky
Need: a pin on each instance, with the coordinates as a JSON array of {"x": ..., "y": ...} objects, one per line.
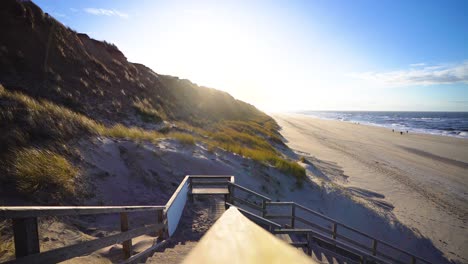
[{"x": 295, "y": 55}]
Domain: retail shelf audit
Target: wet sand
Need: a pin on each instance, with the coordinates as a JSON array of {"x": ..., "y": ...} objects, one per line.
[{"x": 423, "y": 177}]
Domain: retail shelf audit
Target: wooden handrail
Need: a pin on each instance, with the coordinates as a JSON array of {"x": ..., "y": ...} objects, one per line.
[
  {"x": 334, "y": 232},
  {"x": 12, "y": 212},
  {"x": 256, "y": 217},
  {"x": 25, "y": 223},
  {"x": 250, "y": 191},
  {"x": 64, "y": 253}
]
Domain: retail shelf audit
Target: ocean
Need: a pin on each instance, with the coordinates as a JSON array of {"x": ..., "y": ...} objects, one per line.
[{"x": 437, "y": 123}]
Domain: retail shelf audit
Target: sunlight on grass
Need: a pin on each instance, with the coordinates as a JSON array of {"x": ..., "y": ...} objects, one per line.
[
  {"x": 184, "y": 138},
  {"x": 37, "y": 169},
  {"x": 45, "y": 120}
]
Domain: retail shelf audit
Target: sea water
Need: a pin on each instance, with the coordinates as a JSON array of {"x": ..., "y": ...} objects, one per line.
[{"x": 438, "y": 123}]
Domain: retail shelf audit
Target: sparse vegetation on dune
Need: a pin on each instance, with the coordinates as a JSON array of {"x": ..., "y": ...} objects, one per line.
[
  {"x": 89, "y": 88},
  {"x": 184, "y": 138},
  {"x": 30, "y": 121},
  {"x": 147, "y": 112}
]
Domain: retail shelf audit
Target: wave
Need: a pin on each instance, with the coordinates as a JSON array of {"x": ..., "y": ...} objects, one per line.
[{"x": 453, "y": 124}]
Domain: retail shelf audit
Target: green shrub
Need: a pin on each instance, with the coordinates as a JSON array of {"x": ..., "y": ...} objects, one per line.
[{"x": 37, "y": 169}]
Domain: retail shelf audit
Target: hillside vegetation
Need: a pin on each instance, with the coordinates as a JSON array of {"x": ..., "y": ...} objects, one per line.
[{"x": 59, "y": 86}]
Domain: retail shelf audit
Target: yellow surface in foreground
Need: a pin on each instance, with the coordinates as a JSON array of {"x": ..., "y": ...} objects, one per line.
[{"x": 236, "y": 239}]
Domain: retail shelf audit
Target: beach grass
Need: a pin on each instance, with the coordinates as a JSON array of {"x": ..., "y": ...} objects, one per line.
[
  {"x": 39, "y": 170},
  {"x": 34, "y": 120}
]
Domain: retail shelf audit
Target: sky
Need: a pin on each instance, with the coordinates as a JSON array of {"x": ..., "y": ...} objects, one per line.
[{"x": 294, "y": 55}]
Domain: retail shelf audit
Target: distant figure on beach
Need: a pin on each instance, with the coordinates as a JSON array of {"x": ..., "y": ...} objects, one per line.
[
  {"x": 401, "y": 132},
  {"x": 393, "y": 130},
  {"x": 406, "y": 131}
]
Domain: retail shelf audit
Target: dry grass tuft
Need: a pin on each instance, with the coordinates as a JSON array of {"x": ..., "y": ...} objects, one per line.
[
  {"x": 184, "y": 138},
  {"x": 147, "y": 112},
  {"x": 38, "y": 170}
]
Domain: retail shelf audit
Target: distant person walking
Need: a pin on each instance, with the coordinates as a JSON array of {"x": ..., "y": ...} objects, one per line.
[{"x": 401, "y": 132}]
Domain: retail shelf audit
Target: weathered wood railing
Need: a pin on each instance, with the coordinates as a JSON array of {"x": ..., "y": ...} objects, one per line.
[
  {"x": 166, "y": 220},
  {"x": 322, "y": 227},
  {"x": 26, "y": 235}
]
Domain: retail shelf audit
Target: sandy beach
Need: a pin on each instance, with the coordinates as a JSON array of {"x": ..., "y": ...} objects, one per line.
[{"x": 423, "y": 177}]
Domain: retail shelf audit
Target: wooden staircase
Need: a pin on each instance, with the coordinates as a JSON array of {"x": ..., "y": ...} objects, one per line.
[{"x": 180, "y": 223}]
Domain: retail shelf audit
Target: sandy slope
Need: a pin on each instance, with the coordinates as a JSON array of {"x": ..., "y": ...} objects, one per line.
[{"x": 424, "y": 177}]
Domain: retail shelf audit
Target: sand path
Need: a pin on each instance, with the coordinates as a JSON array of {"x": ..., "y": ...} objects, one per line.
[{"x": 424, "y": 177}]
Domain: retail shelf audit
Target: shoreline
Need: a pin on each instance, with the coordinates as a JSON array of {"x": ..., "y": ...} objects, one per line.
[
  {"x": 414, "y": 130},
  {"x": 422, "y": 176}
]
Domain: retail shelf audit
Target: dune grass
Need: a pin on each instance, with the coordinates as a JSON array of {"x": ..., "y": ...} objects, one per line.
[
  {"x": 42, "y": 120},
  {"x": 146, "y": 111},
  {"x": 184, "y": 138},
  {"x": 40, "y": 170},
  {"x": 46, "y": 120}
]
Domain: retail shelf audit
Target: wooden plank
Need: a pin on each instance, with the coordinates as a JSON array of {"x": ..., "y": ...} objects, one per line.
[
  {"x": 235, "y": 239},
  {"x": 250, "y": 191},
  {"x": 137, "y": 258},
  {"x": 11, "y": 212},
  {"x": 249, "y": 204},
  {"x": 68, "y": 252},
  {"x": 127, "y": 244},
  {"x": 206, "y": 191},
  {"x": 277, "y": 216},
  {"x": 26, "y": 236},
  {"x": 280, "y": 203},
  {"x": 198, "y": 184},
  {"x": 314, "y": 225},
  {"x": 210, "y": 176},
  {"x": 176, "y": 193},
  {"x": 256, "y": 217}
]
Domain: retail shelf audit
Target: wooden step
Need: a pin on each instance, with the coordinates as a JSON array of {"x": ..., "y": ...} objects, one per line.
[{"x": 208, "y": 191}]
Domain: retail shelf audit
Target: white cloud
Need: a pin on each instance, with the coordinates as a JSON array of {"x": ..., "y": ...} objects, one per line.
[
  {"x": 421, "y": 75},
  {"x": 418, "y": 64},
  {"x": 105, "y": 12}
]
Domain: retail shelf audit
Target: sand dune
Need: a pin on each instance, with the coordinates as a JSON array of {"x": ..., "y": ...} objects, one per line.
[{"x": 422, "y": 178}]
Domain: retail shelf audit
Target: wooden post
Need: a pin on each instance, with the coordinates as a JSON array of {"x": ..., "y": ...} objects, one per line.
[
  {"x": 127, "y": 244},
  {"x": 309, "y": 244},
  {"x": 227, "y": 198},
  {"x": 232, "y": 194},
  {"x": 293, "y": 215},
  {"x": 161, "y": 232},
  {"x": 334, "y": 230},
  {"x": 413, "y": 260},
  {"x": 26, "y": 236},
  {"x": 374, "y": 247},
  {"x": 190, "y": 189},
  {"x": 263, "y": 208}
]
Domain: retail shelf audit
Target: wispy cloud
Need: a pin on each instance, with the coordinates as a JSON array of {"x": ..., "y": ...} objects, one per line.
[
  {"x": 419, "y": 74},
  {"x": 418, "y": 64},
  {"x": 105, "y": 12}
]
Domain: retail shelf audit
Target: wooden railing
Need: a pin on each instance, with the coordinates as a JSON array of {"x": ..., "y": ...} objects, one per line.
[
  {"x": 26, "y": 235},
  {"x": 321, "y": 227}
]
